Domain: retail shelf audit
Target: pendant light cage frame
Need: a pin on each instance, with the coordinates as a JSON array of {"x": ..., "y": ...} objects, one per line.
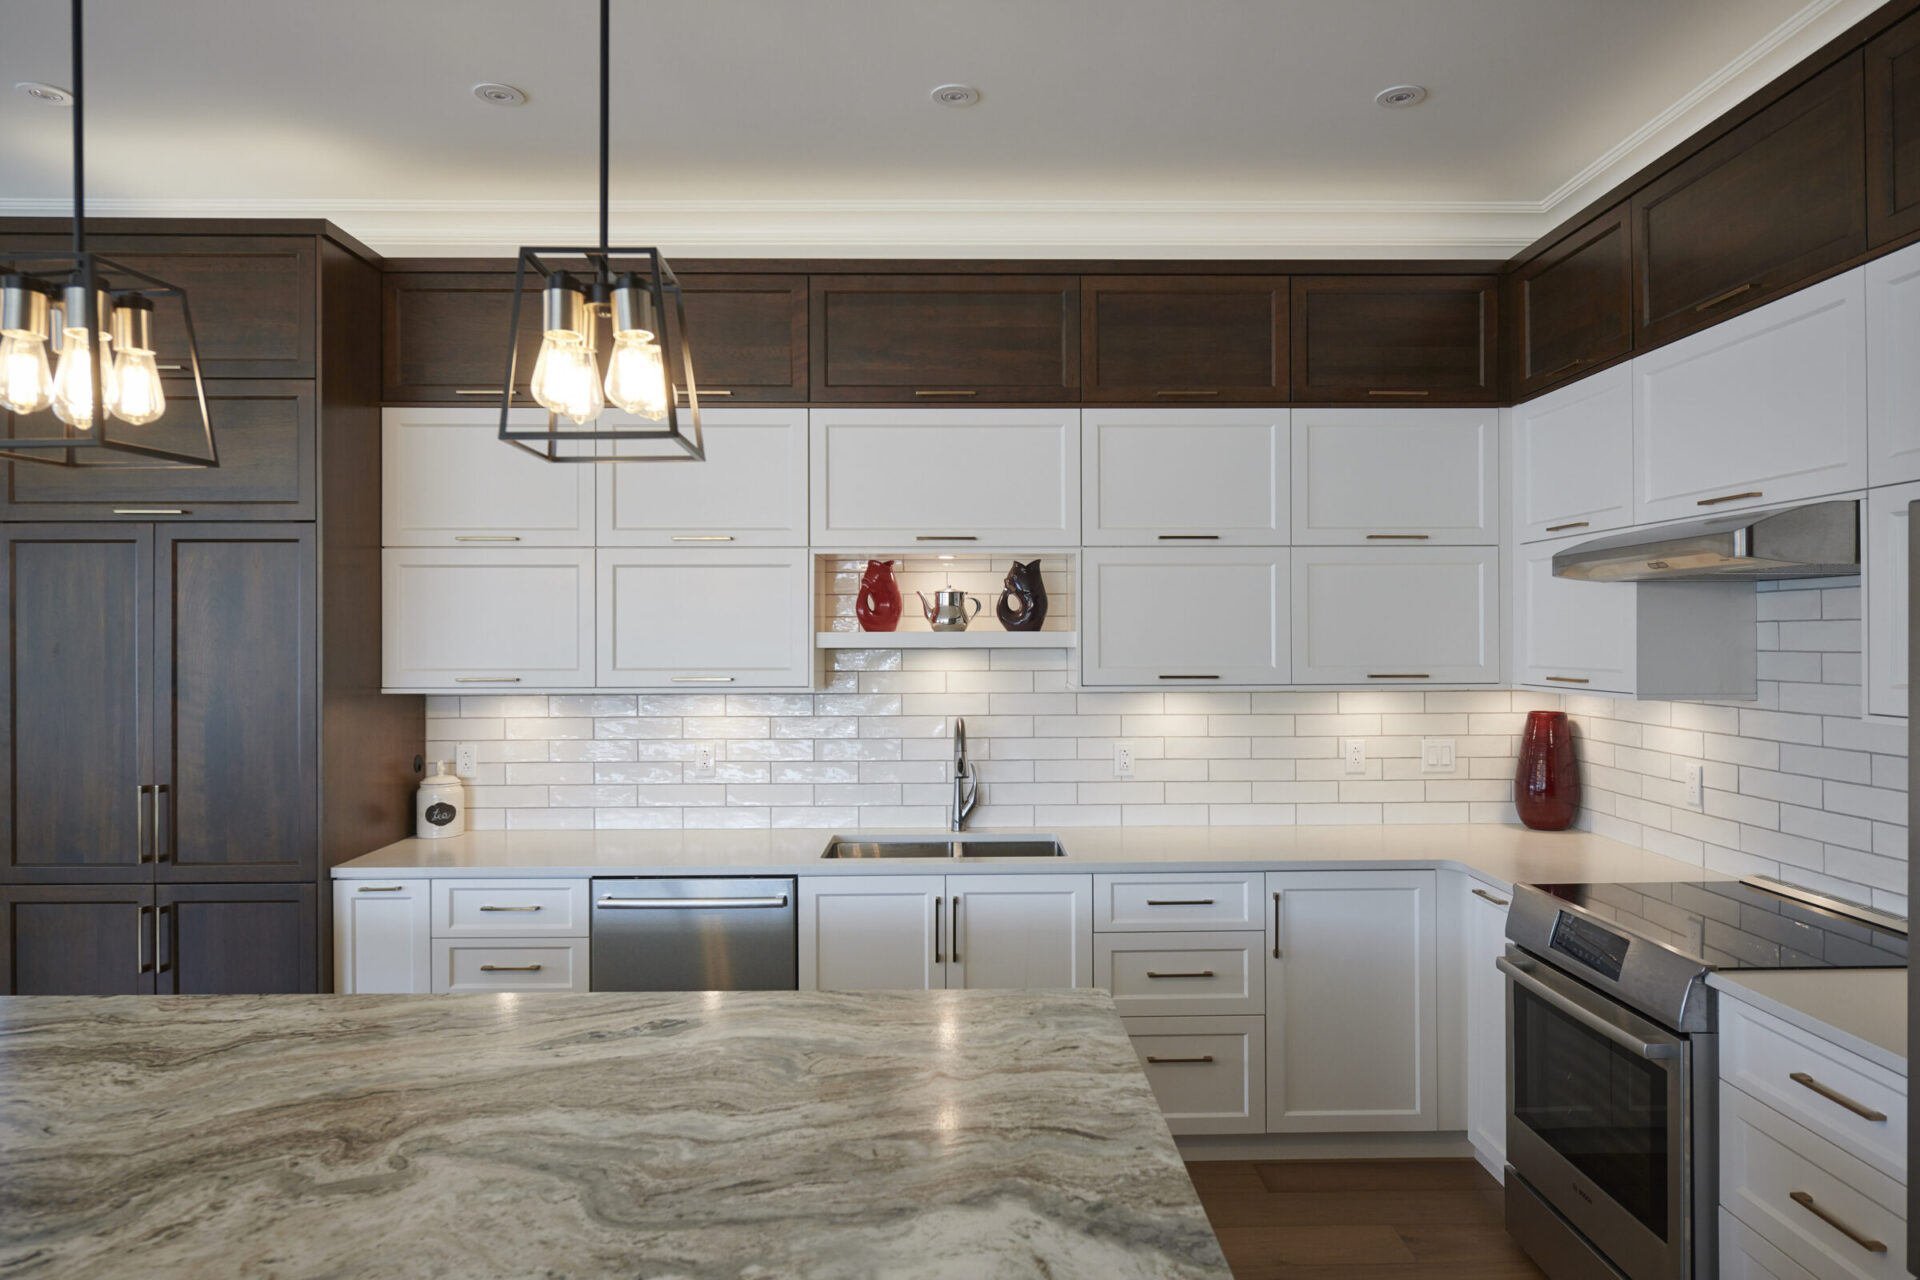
[
  {"x": 679, "y": 432},
  {"x": 96, "y": 446}
]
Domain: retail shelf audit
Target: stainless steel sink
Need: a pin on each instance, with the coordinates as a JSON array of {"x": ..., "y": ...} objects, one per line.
[{"x": 965, "y": 847}]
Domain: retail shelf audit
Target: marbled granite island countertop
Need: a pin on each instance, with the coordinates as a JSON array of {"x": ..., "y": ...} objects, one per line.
[{"x": 950, "y": 1134}]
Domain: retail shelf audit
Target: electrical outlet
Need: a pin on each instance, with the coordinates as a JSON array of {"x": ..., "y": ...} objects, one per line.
[
  {"x": 1696, "y": 795},
  {"x": 702, "y": 761},
  {"x": 1123, "y": 759},
  {"x": 465, "y": 764},
  {"x": 1355, "y": 750},
  {"x": 1436, "y": 755}
]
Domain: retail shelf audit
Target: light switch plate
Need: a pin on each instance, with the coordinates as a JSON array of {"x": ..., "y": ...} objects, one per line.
[
  {"x": 1355, "y": 750},
  {"x": 1437, "y": 755}
]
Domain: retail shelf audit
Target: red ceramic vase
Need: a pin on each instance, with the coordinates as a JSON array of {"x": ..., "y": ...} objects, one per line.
[
  {"x": 1546, "y": 784},
  {"x": 878, "y": 605}
]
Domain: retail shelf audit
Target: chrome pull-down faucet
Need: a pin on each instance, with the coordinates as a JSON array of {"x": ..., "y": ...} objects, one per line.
[{"x": 966, "y": 787}]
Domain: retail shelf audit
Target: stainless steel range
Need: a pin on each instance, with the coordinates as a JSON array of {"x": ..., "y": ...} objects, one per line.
[{"x": 1612, "y": 1064}]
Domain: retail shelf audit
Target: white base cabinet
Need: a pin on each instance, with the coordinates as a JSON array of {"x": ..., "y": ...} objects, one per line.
[
  {"x": 462, "y": 966},
  {"x": 1208, "y": 1074},
  {"x": 382, "y": 937},
  {"x": 1486, "y": 1002}
]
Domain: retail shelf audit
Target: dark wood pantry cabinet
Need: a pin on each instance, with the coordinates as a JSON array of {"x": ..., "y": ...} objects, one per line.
[
  {"x": 1395, "y": 340},
  {"x": 1570, "y": 307},
  {"x": 1183, "y": 339}
]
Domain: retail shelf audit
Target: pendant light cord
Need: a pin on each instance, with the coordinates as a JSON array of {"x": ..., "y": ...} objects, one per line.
[
  {"x": 79, "y": 136},
  {"x": 606, "y": 23}
]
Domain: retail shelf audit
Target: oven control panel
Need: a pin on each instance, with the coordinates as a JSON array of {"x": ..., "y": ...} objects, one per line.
[{"x": 1601, "y": 950}]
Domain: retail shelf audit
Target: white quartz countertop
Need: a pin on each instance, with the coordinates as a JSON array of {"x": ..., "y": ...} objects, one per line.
[
  {"x": 1500, "y": 854},
  {"x": 1864, "y": 1010}
]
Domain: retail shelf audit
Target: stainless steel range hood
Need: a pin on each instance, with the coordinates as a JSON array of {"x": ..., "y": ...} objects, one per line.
[{"x": 1820, "y": 540}]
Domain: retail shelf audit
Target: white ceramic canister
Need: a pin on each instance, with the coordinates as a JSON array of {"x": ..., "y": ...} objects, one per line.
[{"x": 440, "y": 805}]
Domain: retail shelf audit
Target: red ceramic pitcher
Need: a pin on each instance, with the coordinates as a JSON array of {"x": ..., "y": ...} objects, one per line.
[
  {"x": 1546, "y": 783},
  {"x": 878, "y": 604}
]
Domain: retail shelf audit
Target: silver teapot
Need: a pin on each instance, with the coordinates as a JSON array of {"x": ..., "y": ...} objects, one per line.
[{"x": 948, "y": 610}]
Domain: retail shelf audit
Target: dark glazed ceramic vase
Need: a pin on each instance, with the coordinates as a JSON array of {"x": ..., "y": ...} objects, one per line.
[
  {"x": 1546, "y": 783},
  {"x": 878, "y": 604},
  {"x": 1023, "y": 605}
]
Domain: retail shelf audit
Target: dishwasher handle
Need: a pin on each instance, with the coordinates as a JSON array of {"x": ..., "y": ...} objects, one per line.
[{"x": 670, "y": 904}]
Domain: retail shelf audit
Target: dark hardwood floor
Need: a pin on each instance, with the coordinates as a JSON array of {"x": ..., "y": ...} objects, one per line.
[{"x": 1359, "y": 1220}]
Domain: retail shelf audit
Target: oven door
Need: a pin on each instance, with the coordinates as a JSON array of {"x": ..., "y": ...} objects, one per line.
[{"x": 1598, "y": 1106}]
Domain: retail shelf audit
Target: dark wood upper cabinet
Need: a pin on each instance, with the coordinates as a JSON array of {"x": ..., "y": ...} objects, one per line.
[
  {"x": 1893, "y": 133},
  {"x": 749, "y": 337},
  {"x": 263, "y": 429},
  {"x": 235, "y": 939},
  {"x": 1183, "y": 339},
  {"x": 1571, "y": 307},
  {"x": 77, "y": 940},
  {"x": 1775, "y": 202},
  {"x": 933, "y": 340},
  {"x": 444, "y": 337},
  {"x": 1395, "y": 340}
]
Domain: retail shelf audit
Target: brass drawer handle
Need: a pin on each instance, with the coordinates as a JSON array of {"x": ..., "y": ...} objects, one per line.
[
  {"x": 1206, "y": 1057},
  {"x": 946, "y": 393},
  {"x": 1200, "y": 973},
  {"x": 1569, "y": 679},
  {"x": 486, "y": 679},
  {"x": 509, "y": 968},
  {"x": 381, "y": 888},
  {"x": 1577, "y": 524},
  {"x": 491, "y": 391},
  {"x": 151, "y": 511},
  {"x": 1398, "y": 675},
  {"x": 1731, "y": 497},
  {"x": 1398, "y": 393},
  {"x": 510, "y": 908},
  {"x": 170, "y": 368},
  {"x": 702, "y": 537},
  {"x": 1482, "y": 893},
  {"x": 1397, "y": 537},
  {"x": 1189, "y": 677},
  {"x": 1186, "y": 393},
  {"x": 710, "y": 391},
  {"x": 486, "y": 537},
  {"x": 1805, "y": 1201},
  {"x": 1719, "y": 298},
  {"x": 1179, "y": 902},
  {"x": 1840, "y": 1099}
]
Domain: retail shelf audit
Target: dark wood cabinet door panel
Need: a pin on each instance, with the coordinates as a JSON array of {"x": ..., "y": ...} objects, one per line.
[
  {"x": 253, "y": 298},
  {"x": 1572, "y": 306},
  {"x": 235, "y": 687},
  {"x": 1184, "y": 339},
  {"x": 235, "y": 939},
  {"x": 945, "y": 339},
  {"x": 77, "y": 940},
  {"x": 444, "y": 333},
  {"x": 74, "y": 752},
  {"x": 1893, "y": 133},
  {"x": 1756, "y": 213},
  {"x": 1395, "y": 340},
  {"x": 749, "y": 337},
  {"x": 265, "y": 432}
]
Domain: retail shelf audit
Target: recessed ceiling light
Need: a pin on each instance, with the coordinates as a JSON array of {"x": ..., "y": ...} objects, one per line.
[
  {"x": 1401, "y": 95},
  {"x": 499, "y": 95},
  {"x": 956, "y": 95},
  {"x": 51, "y": 95}
]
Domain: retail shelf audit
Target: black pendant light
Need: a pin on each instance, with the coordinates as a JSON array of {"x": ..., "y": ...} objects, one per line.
[
  {"x": 635, "y": 296},
  {"x": 96, "y": 315}
]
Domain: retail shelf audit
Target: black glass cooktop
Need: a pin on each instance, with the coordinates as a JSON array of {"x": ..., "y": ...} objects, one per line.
[{"x": 1738, "y": 924}]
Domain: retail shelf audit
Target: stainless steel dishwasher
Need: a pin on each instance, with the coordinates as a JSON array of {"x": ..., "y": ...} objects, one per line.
[{"x": 695, "y": 935}]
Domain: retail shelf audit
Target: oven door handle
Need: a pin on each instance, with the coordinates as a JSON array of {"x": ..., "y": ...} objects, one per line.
[{"x": 1584, "y": 1016}]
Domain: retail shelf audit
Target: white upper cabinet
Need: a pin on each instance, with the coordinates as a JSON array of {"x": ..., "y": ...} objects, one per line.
[
  {"x": 447, "y": 479},
  {"x": 1185, "y": 617},
  {"x": 1380, "y": 477},
  {"x": 1155, "y": 477},
  {"x": 1767, "y": 407},
  {"x": 1573, "y": 637},
  {"x": 700, "y": 618},
  {"x": 750, "y": 492},
  {"x": 1893, "y": 372},
  {"x": 479, "y": 620},
  {"x": 1396, "y": 615},
  {"x": 1573, "y": 458},
  {"x": 945, "y": 477},
  {"x": 1885, "y": 580}
]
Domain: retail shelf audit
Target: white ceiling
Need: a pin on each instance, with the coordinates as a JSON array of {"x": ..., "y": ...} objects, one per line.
[{"x": 1121, "y": 127}]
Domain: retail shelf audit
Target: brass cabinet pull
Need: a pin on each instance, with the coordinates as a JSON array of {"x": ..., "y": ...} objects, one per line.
[
  {"x": 1805, "y": 1201},
  {"x": 1577, "y": 524},
  {"x": 510, "y": 908},
  {"x": 939, "y": 904},
  {"x": 381, "y": 888},
  {"x": 1730, "y": 497},
  {"x": 486, "y": 537},
  {"x": 1831, "y": 1095},
  {"x": 1398, "y": 675},
  {"x": 509, "y": 968},
  {"x": 140, "y": 941},
  {"x": 710, "y": 391},
  {"x": 1397, "y": 393},
  {"x": 1569, "y": 679},
  {"x": 1199, "y": 973},
  {"x": 1397, "y": 537},
  {"x": 946, "y": 393},
  {"x": 1276, "y": 926},
  {"x": 1179, "y": 902},
  {"x": 700, "y": 679},
  {"x": 490, "y": 391},
  {"x": 1189, "y": 537},
  {"x": 702, "y": 537},
  {"x": 140, "y": 822},
  {"x": 1205, "y": 1057},
  {"x": 170, "y": 368},
  {"x": 151, "y": 511},
  {"x": 946, "y": 537},
  {"x": 486, "y": 679},
  {"x": 1719, "y": 298},
  {"x": 1186, "y": 393},
  {"x": 1177, "y": 677},
  {"x": 953, "y": 948},
  {"x": 1482, "y": 893}
]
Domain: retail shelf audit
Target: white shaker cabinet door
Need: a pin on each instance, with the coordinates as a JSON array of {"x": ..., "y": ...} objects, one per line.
[
  {"x": 1020, "y": 932},
  {"x": 382, "y": 937},
  {"x": 705, "y": 619},
  {"x": 1885, "y": 580},
  {"x": 447, "y": 479},
  {"x": 517, "y": 618},
  {"x": 1379, "y": 616},
  {"x": 1569, "y": 636},
  {"x": 1573, "y": 458},
  {"x": 873, "y": 933},
  {"x": 1194, "y": 618},
  {"x": 945, "y": 477},
  {"x": 750, "y": 492},
  {"x": 1767, "y": 407},
  {"x": 1486, "y": 918},
  {"x": 1893, "y": 372},
  {"x": 1174, "y": 477},
  {"x": 1374, "y": 477}
]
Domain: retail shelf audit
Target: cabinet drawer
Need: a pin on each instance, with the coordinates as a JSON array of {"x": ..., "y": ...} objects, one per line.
[
  {"x": 1157, "y": 903},
  {"x": 509, "y": 964},
  {"x": 1184, "y": 477},
  {"x": 447, "y": 479},
  {"x": 1208, "y": 1074},
  {"x": 510, "y": 908},
  {"x": 1796, "y": 1075},
  {"x": 1744, "y": 1255},
  {"x": 478, "y": 621},
  {"x": 1182, "y": 974},
  {"x": 1808, "y": 1198}
]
